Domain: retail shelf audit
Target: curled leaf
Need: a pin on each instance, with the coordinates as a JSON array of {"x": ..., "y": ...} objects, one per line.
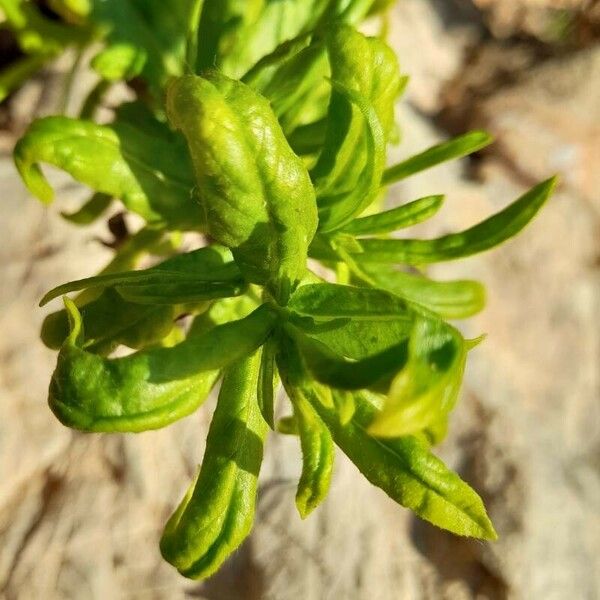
[
  {"x": 110, "y": 321},
  {"x": 366, "y": 81},
  {"x": 425, "y": 390},
  {"x": 148, "y": 169},
  {"x": 256, "y": 192},
  {"x": 217, "y": 512},
  {"x": 90, "y": 211},
  {"x": 151, "y": 388}
]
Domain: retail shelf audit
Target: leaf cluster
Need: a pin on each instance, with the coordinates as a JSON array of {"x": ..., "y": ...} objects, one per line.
[{"x": 265, "y": 129}]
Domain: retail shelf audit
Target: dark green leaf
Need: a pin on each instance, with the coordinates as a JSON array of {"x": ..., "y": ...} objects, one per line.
[
  {"x": 334, "y": 301},
  {"x": 335, "y": 370},
  {"x": 266, "y": 382},
  {"x": 357, "y": 338},
  {"x": 287, "y": 426},
  {"x": 90, "y": 211}
]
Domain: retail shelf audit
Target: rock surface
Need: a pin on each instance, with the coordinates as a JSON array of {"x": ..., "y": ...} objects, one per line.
[{"x": 80, "y": 515}]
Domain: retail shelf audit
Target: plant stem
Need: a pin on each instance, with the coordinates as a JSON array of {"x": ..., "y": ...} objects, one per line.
[{"x": 192, "y": 37}]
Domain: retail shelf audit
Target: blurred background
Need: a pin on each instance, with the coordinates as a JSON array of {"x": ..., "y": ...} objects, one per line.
[{"x": 81, "y": 515}]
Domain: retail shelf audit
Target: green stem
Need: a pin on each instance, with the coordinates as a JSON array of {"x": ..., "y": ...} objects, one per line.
[
  {"x": 93, "y": 99},
  {"x": 70, "y": 80},
  {"x": 192, "y": 37}
]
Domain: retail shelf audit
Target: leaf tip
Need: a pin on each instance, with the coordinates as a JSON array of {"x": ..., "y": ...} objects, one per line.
[{"x": 75, "y": 321}]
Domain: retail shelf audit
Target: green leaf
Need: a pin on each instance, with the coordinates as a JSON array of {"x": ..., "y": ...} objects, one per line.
[
  {"x": 217, "y": 513},
  {"x": 203, "y": 274},
  {"x": 317, "y": 457},
  {"x": 449, "y": 299},
  {"x": 335, "y": 370},
  {"x": 403, "y": 467},
  {"x": 292, "y": 78},
  {"x": 257, "y": 194},
  {"x": 287, "y": 426},
  {"x": 488, "y": 234},
  {"x": 151, "y": 388},
  {"x": 366, "y": 81},
  {"x": 403, "y": 216},
  {"x": 337, "y": 208},
  {"x": 315, "y": 439},
  {"x": 146, "y": 37},
  {"x": 456, "y": 148},
  {"x": 351, "y": 322},
  {"x": 109, "y": 321},
  {"x": 12, "y": 76},
  {"x": 334, "y": 301},
  {"x": 223, "y": 311},
  {"x": 90, "y": 211},
  {"x": 38, "y": 34},
  {"x": 426, "y": 389},
  {"x": 356, "y": 339},
  {"x": 266, "y": 382},
  {"x": 234, "y": 36},
  {"x": 119, "y": 62},
  {"x": 148, "y": 171}
]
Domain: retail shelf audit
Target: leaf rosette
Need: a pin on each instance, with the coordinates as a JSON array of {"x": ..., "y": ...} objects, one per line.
[{"x": 271, "y": 146}]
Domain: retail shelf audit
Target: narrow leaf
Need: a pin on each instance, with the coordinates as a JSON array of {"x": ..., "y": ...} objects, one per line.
[
  {"x": 217, "y": 513},
  {"x": 266, "y": 382},
  {"x": 403, "y": 468},
  {"x": 456, "y": 148},
  {"x": 203, "y": 274},
  {"x": 449, "y": 299},
  {"x": 90, "y": 211},
  {"x": 317, "y": 455},
  {"x": 488, "y": 234},
  {"x": 403, "y": 216}
]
